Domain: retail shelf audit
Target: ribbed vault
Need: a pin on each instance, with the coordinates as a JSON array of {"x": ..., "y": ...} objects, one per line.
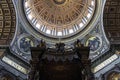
[
  {"x": 112, "y": 20},
  {"x": 7, "y": 21}
]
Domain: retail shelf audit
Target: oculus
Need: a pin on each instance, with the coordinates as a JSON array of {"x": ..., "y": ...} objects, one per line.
[
  {"x": 59, "y": 1},
  {"x": 59, "y": 18}
]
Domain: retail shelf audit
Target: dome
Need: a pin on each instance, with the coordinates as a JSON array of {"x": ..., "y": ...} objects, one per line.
[{"x": 59, "y": 18}]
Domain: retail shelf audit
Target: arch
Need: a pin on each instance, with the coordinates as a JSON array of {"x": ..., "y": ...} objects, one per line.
[
  {"x": 7, "y": 21},
  {"x": 111, "y": 20}
]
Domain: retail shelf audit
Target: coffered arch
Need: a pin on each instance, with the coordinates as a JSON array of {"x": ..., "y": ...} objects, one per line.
[
  {"x": 112, "y": 20},
  {"x": 7, "y": 21}
]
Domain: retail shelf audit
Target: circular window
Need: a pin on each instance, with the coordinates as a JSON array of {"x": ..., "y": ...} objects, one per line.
[{"x": 59, "y": 18}]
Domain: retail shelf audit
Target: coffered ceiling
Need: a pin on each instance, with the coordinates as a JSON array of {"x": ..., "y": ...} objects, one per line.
[
  {"x": 112, "y": 20},
  {"x": 7, "y": 21}
]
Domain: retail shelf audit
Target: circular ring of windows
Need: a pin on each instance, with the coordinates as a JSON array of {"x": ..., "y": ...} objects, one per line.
[{"x": 59, "y": 18}]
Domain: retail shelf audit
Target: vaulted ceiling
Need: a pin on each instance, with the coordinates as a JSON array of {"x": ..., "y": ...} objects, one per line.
[
  {"x": 112, "y": 20},
  {"x": 7, "y": 21}
]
